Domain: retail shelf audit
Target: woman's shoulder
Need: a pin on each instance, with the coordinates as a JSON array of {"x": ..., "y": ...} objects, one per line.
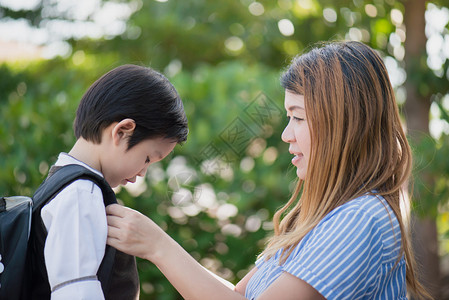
[
  {"x": 370, "y": 209},
  {"x": 371, "y": 214},
  {"x": 371, "y": 206}
]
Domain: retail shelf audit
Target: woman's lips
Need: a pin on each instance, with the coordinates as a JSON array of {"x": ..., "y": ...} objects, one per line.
[{"x": 296, "y": 159}]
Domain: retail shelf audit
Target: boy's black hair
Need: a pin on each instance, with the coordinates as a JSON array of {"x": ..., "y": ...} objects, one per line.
[{"x": 134, "y": 92}]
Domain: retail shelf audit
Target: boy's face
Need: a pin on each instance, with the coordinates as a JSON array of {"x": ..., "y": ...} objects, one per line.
[{"x": 125, "y": 165}]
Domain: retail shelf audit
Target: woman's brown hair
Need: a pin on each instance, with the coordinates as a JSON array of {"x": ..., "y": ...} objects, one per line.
[{"x": 358, "y": 144}]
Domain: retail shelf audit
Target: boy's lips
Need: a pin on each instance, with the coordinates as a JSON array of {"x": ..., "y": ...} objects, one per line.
[{"x": 125, "y": 181}]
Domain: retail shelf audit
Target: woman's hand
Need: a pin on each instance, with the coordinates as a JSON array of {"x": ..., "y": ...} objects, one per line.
[{"x": 131, "y": 232}]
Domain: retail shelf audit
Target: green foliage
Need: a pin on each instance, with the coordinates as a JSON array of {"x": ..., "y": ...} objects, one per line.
[
  {"x": 431, "y": 158},
  {"x": 218, "y": 192},
  {"x": 217, "y": 205},
  {"x": 216, "y": 202}
]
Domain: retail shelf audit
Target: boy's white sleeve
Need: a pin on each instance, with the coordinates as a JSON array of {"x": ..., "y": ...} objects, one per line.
[{"x": 77, "y": 230}]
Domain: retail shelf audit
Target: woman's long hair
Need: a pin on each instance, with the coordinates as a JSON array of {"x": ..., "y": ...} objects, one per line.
[{"x": 358, "y": 144}]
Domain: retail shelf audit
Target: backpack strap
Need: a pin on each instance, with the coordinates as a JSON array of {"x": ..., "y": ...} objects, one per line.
[
  {"x": 58, "y": 179},
  {"x": 65, "y": 175}
]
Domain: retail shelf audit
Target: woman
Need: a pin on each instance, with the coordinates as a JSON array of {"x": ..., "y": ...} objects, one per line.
[{"x": 343, "y": 236}]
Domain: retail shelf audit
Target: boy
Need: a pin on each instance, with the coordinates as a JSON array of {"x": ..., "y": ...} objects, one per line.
[{"x": 128, "y": 119}]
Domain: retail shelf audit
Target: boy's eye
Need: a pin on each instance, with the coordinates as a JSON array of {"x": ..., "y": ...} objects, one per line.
[{"x": 147, "y": 160}]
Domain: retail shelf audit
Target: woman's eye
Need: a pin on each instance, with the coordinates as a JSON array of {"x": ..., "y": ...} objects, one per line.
[
  {"x": 295, "y": 118},
  {"x": 147, "y": 160}
]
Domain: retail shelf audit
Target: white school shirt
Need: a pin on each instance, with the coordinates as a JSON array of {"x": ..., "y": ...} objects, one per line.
[
  {"x": 351, "y": 254},
  {"x": 77, "y": 230}
]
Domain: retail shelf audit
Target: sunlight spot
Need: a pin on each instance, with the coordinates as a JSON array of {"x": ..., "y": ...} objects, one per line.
[
  {"x": 399, "y": 52},
  {"x": 253, "y": 223},
  {"x": 182, "y": 197},
  {"x": 136, "y": 188},
  {"x": 54, "y": 49},
  {"x": 234, "y": 44},
  {"x": 78, "y": 57},
  {"x": 305, "y": 4},
  {"x": 191, "y": 210},
  {"x": 371, "y": 10},
  {"x": 396, "y": 17},
  {"x": 286, "y": 27},
  {"x": 231, "y": 229},
  {"x": 270, "y": 155},
  {"x": 248, "y": 186},
  {"x": 256, "y": 9},
  {"x": 20, "y": 176},
  {"x": 267, "y": 226},
  {"x": 205, "y": 196},
  {"x": 155, "y": 173},
  {"x": 397, "y": 74},
  {"x": 43, "y": 167},
  {"x": 20, "y": 5},
  {"x": 330, "y": 15},
  {"x": 256, "y": 147},
  {"x": 226, "y": 211},
  {"x": 395, "y": 40},
  {"x": 247, "y": 164},
  {"x": 434, "y": 44},
  {"x": 401, "y": 33},
  {"x": 355, "y": 34},
  {"x": 173, "y": 68}
]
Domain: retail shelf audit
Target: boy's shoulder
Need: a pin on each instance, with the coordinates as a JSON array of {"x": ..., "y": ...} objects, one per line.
[
  {"x": 66, "y": 159},
  {"x": 76, "y": 189},
  {"x": 86, "y": 180}
]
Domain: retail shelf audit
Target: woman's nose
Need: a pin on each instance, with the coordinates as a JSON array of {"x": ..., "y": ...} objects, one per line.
[{"x": 287, "y": 135}]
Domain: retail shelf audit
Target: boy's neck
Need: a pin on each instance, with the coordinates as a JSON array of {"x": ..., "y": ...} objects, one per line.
[{"x": 86, "y": 152}]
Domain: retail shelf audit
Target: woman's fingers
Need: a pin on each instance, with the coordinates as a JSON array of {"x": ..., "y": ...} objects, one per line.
[
  {"x": 114, "y": 231},
  {"x": 116, "y": 210},
  {"x": 131, "y": 232},
  {"x": 113, "y": 242},
  {"x": 114, "y": 221}
]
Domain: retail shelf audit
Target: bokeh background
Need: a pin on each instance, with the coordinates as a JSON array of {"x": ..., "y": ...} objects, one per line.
[{"x": 217, "y": 193}]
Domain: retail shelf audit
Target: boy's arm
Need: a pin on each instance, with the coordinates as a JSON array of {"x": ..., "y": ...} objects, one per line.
[{"x": 76, "y": 224}]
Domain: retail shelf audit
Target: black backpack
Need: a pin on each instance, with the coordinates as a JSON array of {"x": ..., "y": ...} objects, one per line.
[{"x": 16, "y": 215}]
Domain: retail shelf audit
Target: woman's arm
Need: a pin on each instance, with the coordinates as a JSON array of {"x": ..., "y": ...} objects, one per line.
[
  {"x": 133, "y": 233},
  {"x": 241, "y": 285},
  {"x": 289, "y": 287}
]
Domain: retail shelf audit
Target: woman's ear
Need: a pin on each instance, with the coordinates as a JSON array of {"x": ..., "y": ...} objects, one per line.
[{"x": 123, "y": 130}]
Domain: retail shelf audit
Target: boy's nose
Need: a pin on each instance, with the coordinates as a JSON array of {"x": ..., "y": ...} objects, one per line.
[{"x": 142, "y": 172}]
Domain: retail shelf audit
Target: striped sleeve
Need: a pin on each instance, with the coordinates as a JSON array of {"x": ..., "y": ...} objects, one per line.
[{"x": 342, "y": 256}]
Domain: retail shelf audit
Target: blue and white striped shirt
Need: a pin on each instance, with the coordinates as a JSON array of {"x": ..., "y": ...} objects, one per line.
[{"x": 350, "y": 254}]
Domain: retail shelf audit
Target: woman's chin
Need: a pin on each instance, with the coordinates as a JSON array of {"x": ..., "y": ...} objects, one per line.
[{"x": 300, "y": 173}]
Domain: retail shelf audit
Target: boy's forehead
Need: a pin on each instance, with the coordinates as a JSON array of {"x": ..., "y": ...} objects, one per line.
[{"x": 160, "y": 148}]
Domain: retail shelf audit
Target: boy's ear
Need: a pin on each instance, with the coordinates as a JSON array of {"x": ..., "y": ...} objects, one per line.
[{"x": 123, "y": 130}]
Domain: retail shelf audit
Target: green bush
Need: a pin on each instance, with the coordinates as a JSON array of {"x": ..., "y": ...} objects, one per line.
[{"x": 215, "y": 195}]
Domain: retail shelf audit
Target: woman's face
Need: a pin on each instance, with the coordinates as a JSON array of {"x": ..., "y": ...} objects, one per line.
[{"x": 297, "y": 133}]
